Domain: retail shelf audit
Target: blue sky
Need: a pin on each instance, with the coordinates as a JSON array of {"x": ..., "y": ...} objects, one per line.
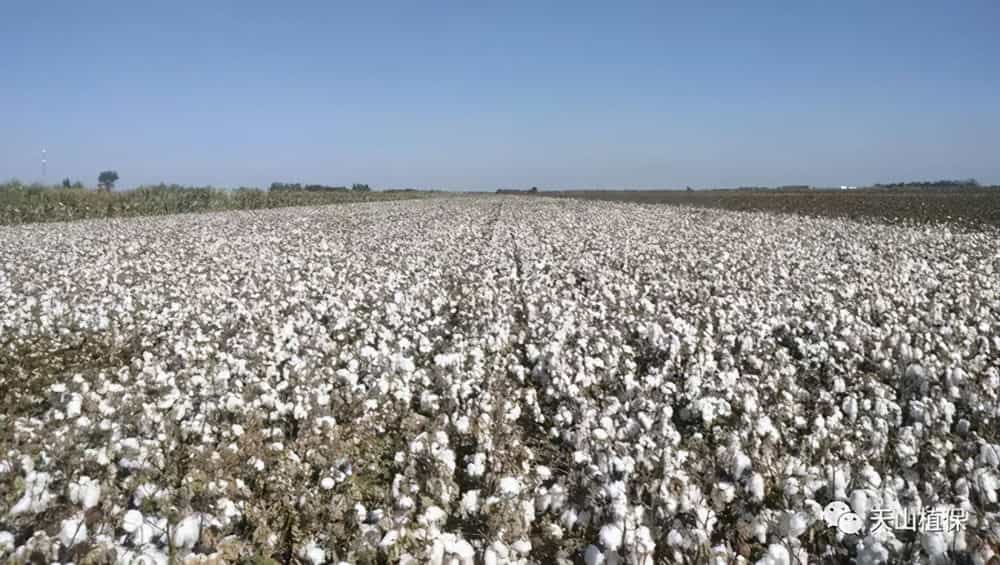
[{"x": 487, "y": 94}]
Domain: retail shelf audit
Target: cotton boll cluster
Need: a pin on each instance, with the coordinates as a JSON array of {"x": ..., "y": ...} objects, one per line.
[
  {"x": 496, "y": 380},
  {"x": 85, "y": 492}
]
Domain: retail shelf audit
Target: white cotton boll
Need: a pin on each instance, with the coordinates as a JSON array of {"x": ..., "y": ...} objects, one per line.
[
  {"x": 644, "y": 542},
  {"x": 433, "y": 516},
  {"x": 360, "y": 513},
  {"x": 36, "y": 497},
  {"x": 936, "y": 546},
  {"x": 6, "y": 542},
  {"x": 470, "y": 502},
  {"x": 462, "y": 550},
  {"x": 765, "y": 428},
  {"x": 646, "y": 421},
  {"x": 145, "y": 491},
  {"x": 616, "y": 490},
  {"x": 870, "y": 477},
  {"x": 233, "y": 403},
  {"x": 74, "y": 407},
  {"x": 840, "y": 477},
  {"x": 445, "y": 360},
  {"x": 187, "y": 532},
  {"x": 522, "y": 546},
  {"x": 759, "y": 527},
  {"x": 610, "y": 536},
  {"x": 723, "y": 494},
  {"x": 389, "y": 539},
  {"x": 313, "y": 553},
  {"x": 741, "y": 463},
  {"x": 569, "y": 518},
  {"x": 839, "y": 386},
  {"x": 916, "y": 372},
  {"x": 144, "y": 556},
  {"x": 593, "y": 555},
  {"x": 776, "y": 555},
  {"x": 674, "y": 538},
  {"x": 327, "y": 483},
  {"x": 72, "y": 531},
  {"x": 406, "y": 365},
  {"x": 477, "y": 467},
  {"x": 300, "y": 412},
  {"x": 794, "y": 524},
  {"x": 987, "y": 483},
  {"x": 85, "y": 492},
  {"x": 989, "y": 455},
  {"x": 347, "y": 377},
  {"x": 791, "y": 487},
  {"x": 447, "y": 459},
  {"x": 708, "y": 409},
  {"x": 756, "y": 487},
  {"x": 228, "y": 510},
  {"x": 860, "y": 503},
  {"x": 496, "y": 554},
  {"x": 850, "y": 408},
  {"x": 405, "y": 502},
  {"x": 527, "y": 511},
  {"x": 132, "y": 521},
  {"x": 872, "y": 552},
  {"x": 543, "y": 501}
]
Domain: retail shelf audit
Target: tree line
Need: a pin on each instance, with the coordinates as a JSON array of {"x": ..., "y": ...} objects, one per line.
[
  {"x": 945, "y": 183},
  {"x": 296, "y": 187}
]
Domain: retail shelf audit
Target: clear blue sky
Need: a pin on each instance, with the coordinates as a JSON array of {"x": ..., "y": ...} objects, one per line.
[{"x": 484, "y": 94}]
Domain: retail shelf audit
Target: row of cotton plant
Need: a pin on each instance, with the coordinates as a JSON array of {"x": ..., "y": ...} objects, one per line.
[{"x": 497, "y": 380}]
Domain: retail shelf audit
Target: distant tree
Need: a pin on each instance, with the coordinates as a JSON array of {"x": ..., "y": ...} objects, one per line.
[
  {"x": 13, "y": 184},
  {"x": 280, "y": 186},
  {"x": 689, "y": 189},
  {"x": 77, "y": 184},
  {"x": 360, "y": 187},
  {"x": 534, "y": 189},
  {"x": 66, "y": 183},
  {"x": 106, "y": 180},
  {"x": 943, "y": 183},
  {"x": 324, "y": 188}
]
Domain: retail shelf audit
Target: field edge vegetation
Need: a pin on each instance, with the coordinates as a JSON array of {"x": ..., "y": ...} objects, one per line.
[{"x": 23, "y": 204}]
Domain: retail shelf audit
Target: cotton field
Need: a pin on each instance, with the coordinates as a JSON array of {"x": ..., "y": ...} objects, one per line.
[{"x": 495, "y": 380}]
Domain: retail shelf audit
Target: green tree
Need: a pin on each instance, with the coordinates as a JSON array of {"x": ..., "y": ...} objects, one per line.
[
  {"x": 106, "y": 180},
  {"x": 360, "y": 187}
]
